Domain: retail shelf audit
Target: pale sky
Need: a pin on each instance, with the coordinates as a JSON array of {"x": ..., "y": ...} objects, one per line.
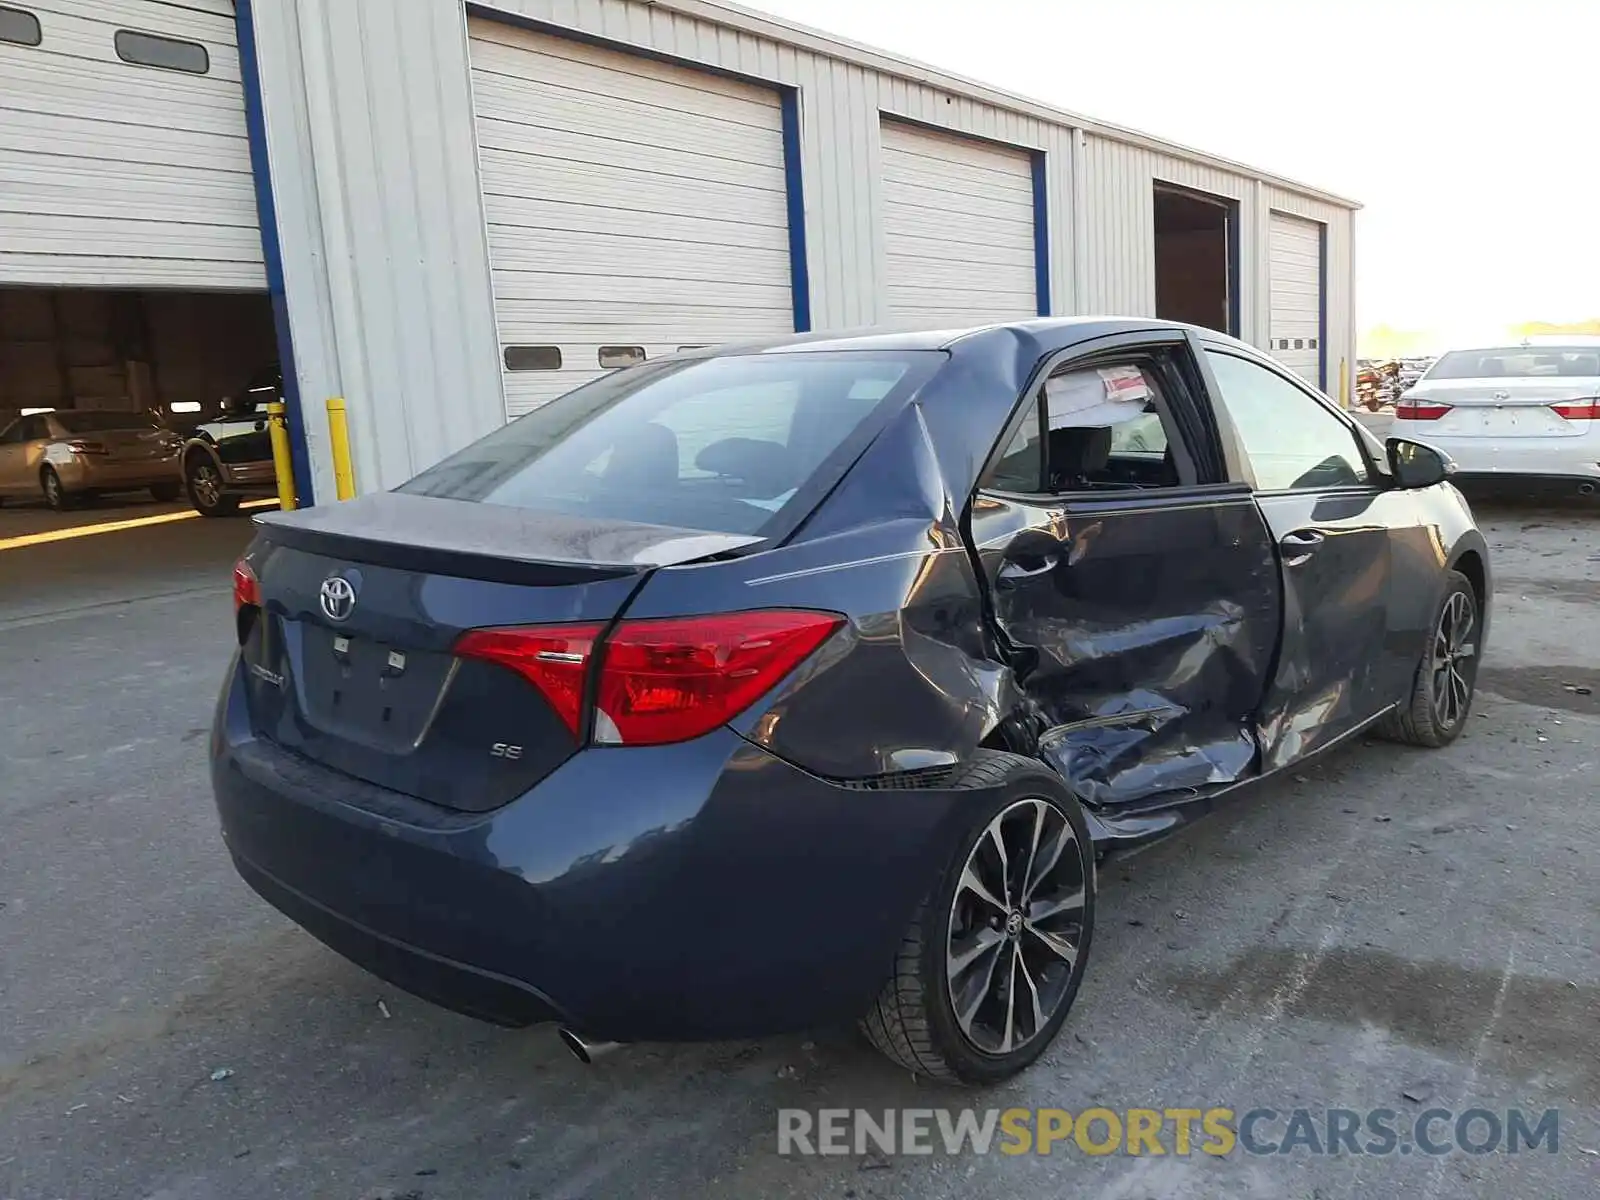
[{"x": 1470, "y": 131}]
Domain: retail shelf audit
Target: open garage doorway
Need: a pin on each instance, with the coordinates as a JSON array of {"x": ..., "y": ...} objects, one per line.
[
  {"x": 102, "y": 391},
  {"x": 1197, "y": 258}
]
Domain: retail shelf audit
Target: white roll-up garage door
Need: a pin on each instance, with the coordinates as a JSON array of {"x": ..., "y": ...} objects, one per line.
[
  {"x": 631, "y": 204},
  {"x": 1295, "y": 293},
  {"x": 958, "y": 224},
  {"x": 115, "y": 172}
]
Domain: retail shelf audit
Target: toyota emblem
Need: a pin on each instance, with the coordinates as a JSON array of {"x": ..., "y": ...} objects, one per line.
[{"x": 338, "y": 598}]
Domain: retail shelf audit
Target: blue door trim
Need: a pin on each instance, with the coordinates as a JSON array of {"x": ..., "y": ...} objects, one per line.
[
  {"x": 271, "y": 252},
  {"x": 794, "y": 189},
  {"x": 1322, "y": 308},
  {"x": 789, "y": 102},
  {"x": 1041, "y": 231}
]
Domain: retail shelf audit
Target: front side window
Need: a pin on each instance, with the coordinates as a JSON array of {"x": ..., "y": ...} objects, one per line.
[
  {"x": 722, "y": 444},
  {"x": 1291, "y": 440}
]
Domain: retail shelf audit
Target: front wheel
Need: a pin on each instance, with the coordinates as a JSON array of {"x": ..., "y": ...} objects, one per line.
[
  {"x": 995, "y": 954},
  {"x": 1436, "y": 710},
  {"x": 202, "y": 479}
]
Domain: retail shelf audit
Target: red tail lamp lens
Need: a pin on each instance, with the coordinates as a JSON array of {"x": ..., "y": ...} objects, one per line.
[
  {"x": 1579, "y": 410},
  {"x": 672, "y": 680},
  {"x": 1420, "y": 410},
  {"x": 246, "y": 587},
  {"x": 659, "y": 681},
  {"x": 554, "y": 658}
]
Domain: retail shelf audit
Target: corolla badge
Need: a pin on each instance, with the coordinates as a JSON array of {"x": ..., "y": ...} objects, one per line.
[{"x": 338, "y": 598}]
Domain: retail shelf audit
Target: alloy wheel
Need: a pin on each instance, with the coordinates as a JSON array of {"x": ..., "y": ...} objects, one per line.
[
  {"x": 1016, "y": 927},
  {"x": 52, "y": 489},
  {"x": 1454, "y": 660},
  {"x": 207, "y": 485}
]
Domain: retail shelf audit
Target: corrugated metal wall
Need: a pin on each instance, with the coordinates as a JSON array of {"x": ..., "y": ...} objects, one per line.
[{"x": 369, "y": 122}]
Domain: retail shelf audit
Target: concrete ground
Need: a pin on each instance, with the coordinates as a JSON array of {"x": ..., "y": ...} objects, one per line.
[{"x": 1388, "y": 929}]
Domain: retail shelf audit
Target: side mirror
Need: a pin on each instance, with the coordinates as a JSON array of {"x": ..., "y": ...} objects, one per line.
[{"x": 1417, "y": 466}]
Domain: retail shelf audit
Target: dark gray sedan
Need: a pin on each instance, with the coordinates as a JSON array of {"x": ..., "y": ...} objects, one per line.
[{"x": 750, "y": 690}]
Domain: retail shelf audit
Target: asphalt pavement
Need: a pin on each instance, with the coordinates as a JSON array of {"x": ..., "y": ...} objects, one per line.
[{"x": 1386, "y": 929}]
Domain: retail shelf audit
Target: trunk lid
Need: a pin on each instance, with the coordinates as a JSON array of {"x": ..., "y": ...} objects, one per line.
[
  {"x": 1504, "y": 407},
  {"x": 362, "y": 678}
]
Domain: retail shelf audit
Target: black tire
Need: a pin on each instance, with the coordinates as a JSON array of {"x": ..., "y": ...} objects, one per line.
[
  {"x": 55, "y": 494},
  {"x": 914, "y": 1021},
  {"x": 166, "y": 493},
  {"x": 1425, "y": 717},
  {"x": 202, "y": 481}
]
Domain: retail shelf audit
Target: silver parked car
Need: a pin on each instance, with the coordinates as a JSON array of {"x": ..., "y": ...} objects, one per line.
[
  {"x": 64, "y": 456},
  {"x": 1528, "y": 412}
]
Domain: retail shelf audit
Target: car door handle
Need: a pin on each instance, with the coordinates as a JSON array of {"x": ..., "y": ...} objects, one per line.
[
  {"x": 1012, "y": 572},
  {"x": 1299, "y": 546},
  {"x": 1302, "y": 539}
]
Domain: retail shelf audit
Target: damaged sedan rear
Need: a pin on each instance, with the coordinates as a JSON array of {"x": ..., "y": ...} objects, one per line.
[{"x": 752, "y": 690}]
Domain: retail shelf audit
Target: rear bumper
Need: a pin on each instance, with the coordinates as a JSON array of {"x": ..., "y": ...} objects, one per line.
[
  {"x": 1576, "y": 457},
  {"x": 705, "y": 890}
]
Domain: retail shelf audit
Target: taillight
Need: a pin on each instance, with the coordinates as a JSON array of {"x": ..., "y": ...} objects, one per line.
[
  {"x": 246, "y": 587},
  {"x": 1420, "y": 410},
  {"x": 1578, "y": 410},
  {"x": 672, "y": 680},
  {"x": 659, "y": 681},
  {"x": 554, "y": 658}
]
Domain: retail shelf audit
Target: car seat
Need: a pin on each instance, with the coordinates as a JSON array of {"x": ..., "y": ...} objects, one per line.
[{"x": 1078, "y": 454}]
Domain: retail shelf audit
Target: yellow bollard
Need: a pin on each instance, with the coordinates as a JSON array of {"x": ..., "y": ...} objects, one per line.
[
  {"x": 282, "y": 465},
  {"x": 344, "y": 476}
]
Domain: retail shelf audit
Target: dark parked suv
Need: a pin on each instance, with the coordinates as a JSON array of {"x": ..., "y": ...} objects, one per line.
[
  {"x": 751, "y": 690},
  {"x": 229, "y": 458}
]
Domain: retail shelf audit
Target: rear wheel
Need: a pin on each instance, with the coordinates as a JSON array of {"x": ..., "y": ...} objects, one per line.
[
  {"x": 202, "y": 479},
  {"x": 994, "y": 956},
  {"x": 165, "y": 492},
  {"x": 1436, "y": 711},
  {"x": 55, "y": 495}
]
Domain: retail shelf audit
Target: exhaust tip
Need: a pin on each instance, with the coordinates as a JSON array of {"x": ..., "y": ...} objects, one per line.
[
  {"x": 584, "y": 1050},
  {"x": 1586, "y": 489}
]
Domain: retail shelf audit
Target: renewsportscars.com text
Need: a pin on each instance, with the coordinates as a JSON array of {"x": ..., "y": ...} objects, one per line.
[{"x": 1179, "y": 1131}]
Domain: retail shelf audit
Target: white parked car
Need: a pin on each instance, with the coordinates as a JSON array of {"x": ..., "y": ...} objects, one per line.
[{"x": 1512, "y": 412}]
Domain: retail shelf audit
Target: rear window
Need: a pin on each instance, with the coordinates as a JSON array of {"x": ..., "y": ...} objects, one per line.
[
  {"x": 1523, "y": 362},
  {"x": 101, "y": 422},
  {"x": 738, "y": 444}
]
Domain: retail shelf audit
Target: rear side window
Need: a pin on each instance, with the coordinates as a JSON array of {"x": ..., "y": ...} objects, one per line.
[
  {"x": 1098, "y": 427},
  {"x": 727, "y": 445}
]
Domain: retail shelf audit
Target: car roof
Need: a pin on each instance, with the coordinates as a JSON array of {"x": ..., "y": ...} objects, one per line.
[{"x": 943, "y": 337}]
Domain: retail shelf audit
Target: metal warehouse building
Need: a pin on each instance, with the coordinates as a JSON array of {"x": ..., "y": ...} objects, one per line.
[{"x": 448, "y": 214}]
